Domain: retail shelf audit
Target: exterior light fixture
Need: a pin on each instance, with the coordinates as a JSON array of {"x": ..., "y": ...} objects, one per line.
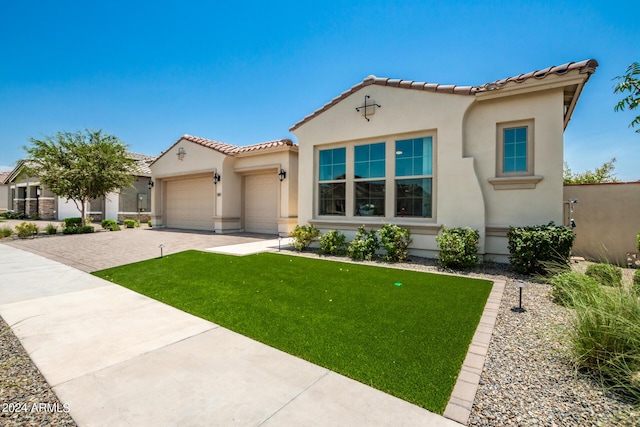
[
  {"x": 216, "y": 178},
  {"x": 38, "y": 191},
  {"x": 161, "y": 250},
  {"x": 282, "y": 175},
  {"x": 181, "y": 153},
  {"x": 150, "y": 184},
  {"x": 519, "y": 308}
]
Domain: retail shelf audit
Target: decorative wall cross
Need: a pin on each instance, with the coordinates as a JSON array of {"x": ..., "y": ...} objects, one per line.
[{"x": 366, "y": 105}]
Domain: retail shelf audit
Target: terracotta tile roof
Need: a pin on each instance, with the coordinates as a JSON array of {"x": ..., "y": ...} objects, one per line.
[
  {"x": 234, "y": 149},
  {"x": 265, "y": 145},
  {"x": 229, "y": 149},
  {"x": 209, "y": 143},
  {"x": 586, "y": 67}
]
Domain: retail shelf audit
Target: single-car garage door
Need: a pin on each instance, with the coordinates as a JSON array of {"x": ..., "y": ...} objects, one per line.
[
  {"x": 189, "y": 203},
  {"x": 261, "y": 203}
]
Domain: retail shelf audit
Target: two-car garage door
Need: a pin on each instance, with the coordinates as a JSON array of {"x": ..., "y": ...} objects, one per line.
[{"x": 190, "y": 203}]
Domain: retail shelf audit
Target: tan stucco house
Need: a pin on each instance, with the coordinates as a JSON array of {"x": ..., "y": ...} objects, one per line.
[
  {"x": 426, "y": 155},
  {"x": 201, "y": 184}
]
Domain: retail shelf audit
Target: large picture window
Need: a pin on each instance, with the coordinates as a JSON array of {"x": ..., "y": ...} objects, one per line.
[
  {"x": 332, "y": 176},
  {"x": 414, "y": 176},
  {"x": 369, "y": 164}
]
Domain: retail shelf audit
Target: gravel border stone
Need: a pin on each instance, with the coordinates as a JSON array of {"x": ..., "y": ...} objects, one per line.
[{"x": 26, "y": 399}]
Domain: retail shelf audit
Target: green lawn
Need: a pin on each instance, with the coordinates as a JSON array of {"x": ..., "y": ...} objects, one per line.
[{"x": 408, "y": 340}]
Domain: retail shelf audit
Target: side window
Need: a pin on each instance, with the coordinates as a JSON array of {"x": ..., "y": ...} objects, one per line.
[
  {"x": 515, "y": 149},
  {"x": 414, "y": 177}
]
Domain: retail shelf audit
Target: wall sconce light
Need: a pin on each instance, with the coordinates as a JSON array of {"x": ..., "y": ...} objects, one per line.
[
  {"x": 282, "y": 175},
  {"x": 216, "y": 178},
  {"x": 150, "y": 184},
  {"x": 181, "y": 153}
]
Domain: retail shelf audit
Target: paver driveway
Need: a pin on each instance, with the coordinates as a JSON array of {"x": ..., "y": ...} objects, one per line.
[{"x": 105, "y": 249}]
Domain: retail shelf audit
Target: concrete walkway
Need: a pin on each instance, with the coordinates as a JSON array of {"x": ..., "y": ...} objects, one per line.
[{"x": 120, "y": 358}]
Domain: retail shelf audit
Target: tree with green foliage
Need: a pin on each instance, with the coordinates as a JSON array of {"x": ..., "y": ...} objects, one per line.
[
  {"x": 602, "y": 174},
  {"x": 80, "y": 166},
  {"x": 630, "y": 83}
]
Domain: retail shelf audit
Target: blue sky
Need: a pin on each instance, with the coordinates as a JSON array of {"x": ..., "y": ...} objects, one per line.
[{"x": 245, "y": 72}]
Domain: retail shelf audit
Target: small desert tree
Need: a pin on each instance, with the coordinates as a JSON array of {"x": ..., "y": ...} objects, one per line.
[
  {"x": 630, "y": 83},
  {"x": 80, "y": 166},
  {"x": 602, "y": 174}
]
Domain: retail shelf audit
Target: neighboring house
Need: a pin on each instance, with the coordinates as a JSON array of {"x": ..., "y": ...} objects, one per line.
[
  {"x": 200, "y": 184},
  {"x": 4, "y": 192},
  {"x": 27, "y": 196},
  {"x": 425, "y": 155}
]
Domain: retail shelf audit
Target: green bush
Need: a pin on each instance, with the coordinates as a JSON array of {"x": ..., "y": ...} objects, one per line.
[
  {"x": 26, "y": 230},
  {"x": 149, "y": 223},
  {"x": 605, "y": 274},
  {"x": 14, "y": 215},
  {"x": 5, "y": 232},
  {"x": 636, "y": 282},
  {"x": 110, "y": 224},
  {"x": 131, "y": 223},
  {"x": 534, "y": 249},
  {"x": 606, "y": 340},
  {"x": 395, "y": 240},
  {"x": 304, "y": 235},
  {"x": 34, "y": 217},
  {"x": 51, "y": 229},
  {"x": 638, "y": 242},
  {"x": 458, "y": 247},
  {"x": 72, "y": 222},
  {"x": 573, "y": 286},
  {"x": 79, "y": 230},
  {"x": 364, "y": 246},
  {"x": 333, "y": 242}
]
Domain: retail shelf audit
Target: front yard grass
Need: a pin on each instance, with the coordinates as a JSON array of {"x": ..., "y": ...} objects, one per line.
[{"x": 408, "y": 340}]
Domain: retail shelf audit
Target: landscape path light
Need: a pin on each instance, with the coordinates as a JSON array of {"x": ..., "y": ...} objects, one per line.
[{"x": 519, "y": 309}]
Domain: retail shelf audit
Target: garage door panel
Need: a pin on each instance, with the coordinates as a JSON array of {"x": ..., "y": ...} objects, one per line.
[
  {"x": 190, "y": 203},
  {"x": 261, "y": 203}
]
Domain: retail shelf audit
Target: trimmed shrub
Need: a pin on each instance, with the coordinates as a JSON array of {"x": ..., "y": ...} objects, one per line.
[
  {"x": 78, "y": 230},
  {"x": 304, "y": 235},
  {"x": 605, "y": 274},
  {"x": 110, "y": 224},
  {"x": 364, "y": 246},
  {"x": 72, "y": 222},
  {"x": 14, "y": 215},
  {"x": 5, "y": 232},
  {"x": 538, "y": 248},
  {"x": 26, "y": 230},
  {"x": 606, "y": 340},
  {"x": 131, "y": 223},
  {"x": 573, "y": 286},
  {"x": 395, "y": 240},
  {"x": 333, "y": 242},
  {"x": 149, "y": 223},
  {"x": 458, "y": 247},
  {"x": 51, "y": 229}
]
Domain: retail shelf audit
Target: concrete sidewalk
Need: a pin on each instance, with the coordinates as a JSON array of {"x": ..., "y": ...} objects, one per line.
[{"x": 120, "y": 358}]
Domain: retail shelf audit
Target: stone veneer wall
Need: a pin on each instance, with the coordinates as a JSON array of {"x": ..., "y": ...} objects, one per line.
[{"x": 143, "y": 217}]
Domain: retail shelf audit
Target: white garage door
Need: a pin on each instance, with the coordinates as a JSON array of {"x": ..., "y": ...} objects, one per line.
[
  {"x": 261, "y": 203},
  {"x": 189, "y": 203}
]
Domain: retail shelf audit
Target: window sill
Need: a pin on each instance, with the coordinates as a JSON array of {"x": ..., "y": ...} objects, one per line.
[{"x": 515, "y": 182}]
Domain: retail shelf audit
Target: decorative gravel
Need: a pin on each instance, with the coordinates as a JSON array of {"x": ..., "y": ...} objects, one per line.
[
  {"x": 26, "y": 399},
  {"x": 528, "y": 378}
]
